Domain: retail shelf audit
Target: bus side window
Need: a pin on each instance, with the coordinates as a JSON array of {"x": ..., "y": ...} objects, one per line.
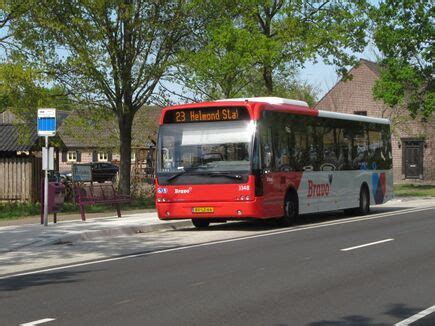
[
  {"x": 327, "y": 141},
  {"x": 266, "y": 148},
  {"x": 376, "y": 158},
  {"x": 386, "y": 146},
  {"x": 281, "y": 136},
  {"x": 266, "y": 140}
]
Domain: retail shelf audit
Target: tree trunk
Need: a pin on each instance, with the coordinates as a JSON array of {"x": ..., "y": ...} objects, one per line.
[
  {"x": 125, "y": 125},
  {"x": 268, "y": 82}
]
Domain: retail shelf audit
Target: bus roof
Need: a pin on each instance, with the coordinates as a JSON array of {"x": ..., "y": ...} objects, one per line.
[
  {"x": 270, "y": 100},
  {"x": 353, "y": 117},
  {"x": 283, "y": 105},
  {"x": 320, "y": 113}
]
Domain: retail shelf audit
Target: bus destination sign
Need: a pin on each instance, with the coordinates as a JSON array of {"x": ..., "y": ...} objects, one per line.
[{"x": 207, "y": 114}]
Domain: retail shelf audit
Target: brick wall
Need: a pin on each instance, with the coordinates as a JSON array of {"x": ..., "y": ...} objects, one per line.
[{"x": 356, "y": 95}]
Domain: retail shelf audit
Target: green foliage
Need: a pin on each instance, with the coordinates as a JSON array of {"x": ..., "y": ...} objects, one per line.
[
  {"x": 253, "y": 47},
  {"x": 21, "y": 88},
  {"x": 222, "y": 67},
  {"x": 296, "y": 90},
  {"x": 8, "y": 10},
  {"x": 403, "y": 32},
  {"x": 414, "y": 190},
  {"x": 11, "y": 211}
]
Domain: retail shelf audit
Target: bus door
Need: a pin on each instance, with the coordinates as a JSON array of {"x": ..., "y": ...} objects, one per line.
[{"x": 272, "y": 194}]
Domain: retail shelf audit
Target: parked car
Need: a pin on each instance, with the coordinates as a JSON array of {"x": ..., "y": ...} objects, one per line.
[
  {"x": 66, "y": 176},
  {"x": 102, "y": 172}
]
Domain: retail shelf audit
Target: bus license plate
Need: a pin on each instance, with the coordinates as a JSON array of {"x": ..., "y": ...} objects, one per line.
[{"x": 202, "y": 209}]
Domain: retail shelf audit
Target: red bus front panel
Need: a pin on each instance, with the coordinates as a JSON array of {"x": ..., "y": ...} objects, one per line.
[{"x": 221, "y": 201}]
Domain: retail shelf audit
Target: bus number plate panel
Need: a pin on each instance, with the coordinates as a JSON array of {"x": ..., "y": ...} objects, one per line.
[{"x": 202, "y": 210}]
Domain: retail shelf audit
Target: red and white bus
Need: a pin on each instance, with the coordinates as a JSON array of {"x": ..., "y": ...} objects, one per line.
[{"x": 260, "y": 158}]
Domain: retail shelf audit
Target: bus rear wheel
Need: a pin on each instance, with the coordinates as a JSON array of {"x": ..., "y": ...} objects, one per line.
[
  {"x": 364, "y": 201},
  {"x": 290, "y": 212},
  {"x": 200, "y": 223}
]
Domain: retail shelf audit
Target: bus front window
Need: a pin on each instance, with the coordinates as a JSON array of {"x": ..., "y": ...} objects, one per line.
[{"x": 205, "y": 147}]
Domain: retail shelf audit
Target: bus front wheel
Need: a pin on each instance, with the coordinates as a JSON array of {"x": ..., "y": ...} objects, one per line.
[
  {"x": 200, "y": 223},
  {"x": 290, "y": 212}
]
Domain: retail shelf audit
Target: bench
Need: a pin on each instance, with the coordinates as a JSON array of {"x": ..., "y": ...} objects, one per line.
[{"x": 91, "y": 194}]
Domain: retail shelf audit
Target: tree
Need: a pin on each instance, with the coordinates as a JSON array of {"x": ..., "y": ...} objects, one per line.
[
  {"x": 109, "y": 55},
  {"x": 289, "y": 33},
  {"x": 403, "y": 32},
  {"x": 250, "y": 47}
]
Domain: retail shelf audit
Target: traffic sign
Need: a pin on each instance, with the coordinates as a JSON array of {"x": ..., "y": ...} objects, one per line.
[
  {"x": 46, "y": 122},
  {"x": 48, "y": 158},
  {"x": 82, "y": 172}
]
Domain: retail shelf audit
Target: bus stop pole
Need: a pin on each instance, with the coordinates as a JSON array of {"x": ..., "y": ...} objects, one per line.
[{"x": 46, "y": 184}]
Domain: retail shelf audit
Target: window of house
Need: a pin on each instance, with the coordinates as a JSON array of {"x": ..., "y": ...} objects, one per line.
[
  {"x": 71, "y": 156},
  {"x": 360, "y": 113},
  {"x": 103, "y": 156},
  {"x": 133, "y": 156}
]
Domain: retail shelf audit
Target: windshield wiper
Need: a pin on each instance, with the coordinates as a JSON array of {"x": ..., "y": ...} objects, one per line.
[
  {"x": 176, "y": 175},
  {"x": 227, "y": 175},
  {"x": 211, "y": 174}
]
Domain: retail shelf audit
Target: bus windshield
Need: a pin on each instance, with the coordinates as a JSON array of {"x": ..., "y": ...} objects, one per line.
[{"x": 205, "y": 148}]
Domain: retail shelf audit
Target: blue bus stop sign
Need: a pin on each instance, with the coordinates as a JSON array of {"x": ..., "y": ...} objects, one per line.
[{"x": 46, "y": 122}]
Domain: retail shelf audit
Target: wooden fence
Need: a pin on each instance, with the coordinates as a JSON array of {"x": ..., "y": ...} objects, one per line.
[{"x": 20, "y": 179}]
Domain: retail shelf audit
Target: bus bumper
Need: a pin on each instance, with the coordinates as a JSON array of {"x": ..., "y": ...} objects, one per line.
[{"x": 237, "y": 210}]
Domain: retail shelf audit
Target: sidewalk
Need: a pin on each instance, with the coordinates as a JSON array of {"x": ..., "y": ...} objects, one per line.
[{"x": 18, "y": 236}]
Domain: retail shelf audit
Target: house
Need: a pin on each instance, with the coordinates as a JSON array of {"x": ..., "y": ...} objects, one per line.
[
  {"x": 98, "y": 141},
  {"x": 413, "y": 142}
]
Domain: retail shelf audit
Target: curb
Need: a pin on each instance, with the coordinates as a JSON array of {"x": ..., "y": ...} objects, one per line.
[
  {"x": 115, "y": 231},
  {"x": 104, "y": 232}
]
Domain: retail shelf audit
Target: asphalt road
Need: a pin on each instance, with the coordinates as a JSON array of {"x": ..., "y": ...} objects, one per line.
[{"x": 376, "y": 271}]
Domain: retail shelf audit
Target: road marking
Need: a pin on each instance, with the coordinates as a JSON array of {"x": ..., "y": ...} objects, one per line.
[
  {"x": 266, "y": 234},
  {"x": 367, "y": 244},
  {"x": 416, "y": 317},
  {"x": 37, "y": 322}
]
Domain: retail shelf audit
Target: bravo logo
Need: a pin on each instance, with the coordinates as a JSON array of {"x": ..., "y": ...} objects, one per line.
[
  {"x": 317, "y": 189},
  {"x": 183, "y": 191}
]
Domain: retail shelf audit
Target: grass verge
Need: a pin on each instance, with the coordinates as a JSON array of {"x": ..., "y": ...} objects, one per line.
[
  {"x": 413, "y": 190},
  {"x": 15, "y": 211}
]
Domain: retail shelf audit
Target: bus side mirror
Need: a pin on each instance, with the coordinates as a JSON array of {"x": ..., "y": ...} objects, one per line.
[{"x": 258, "y": 172}]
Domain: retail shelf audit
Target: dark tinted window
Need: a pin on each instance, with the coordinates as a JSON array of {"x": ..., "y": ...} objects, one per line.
[{"x": 304, "y": 143}]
